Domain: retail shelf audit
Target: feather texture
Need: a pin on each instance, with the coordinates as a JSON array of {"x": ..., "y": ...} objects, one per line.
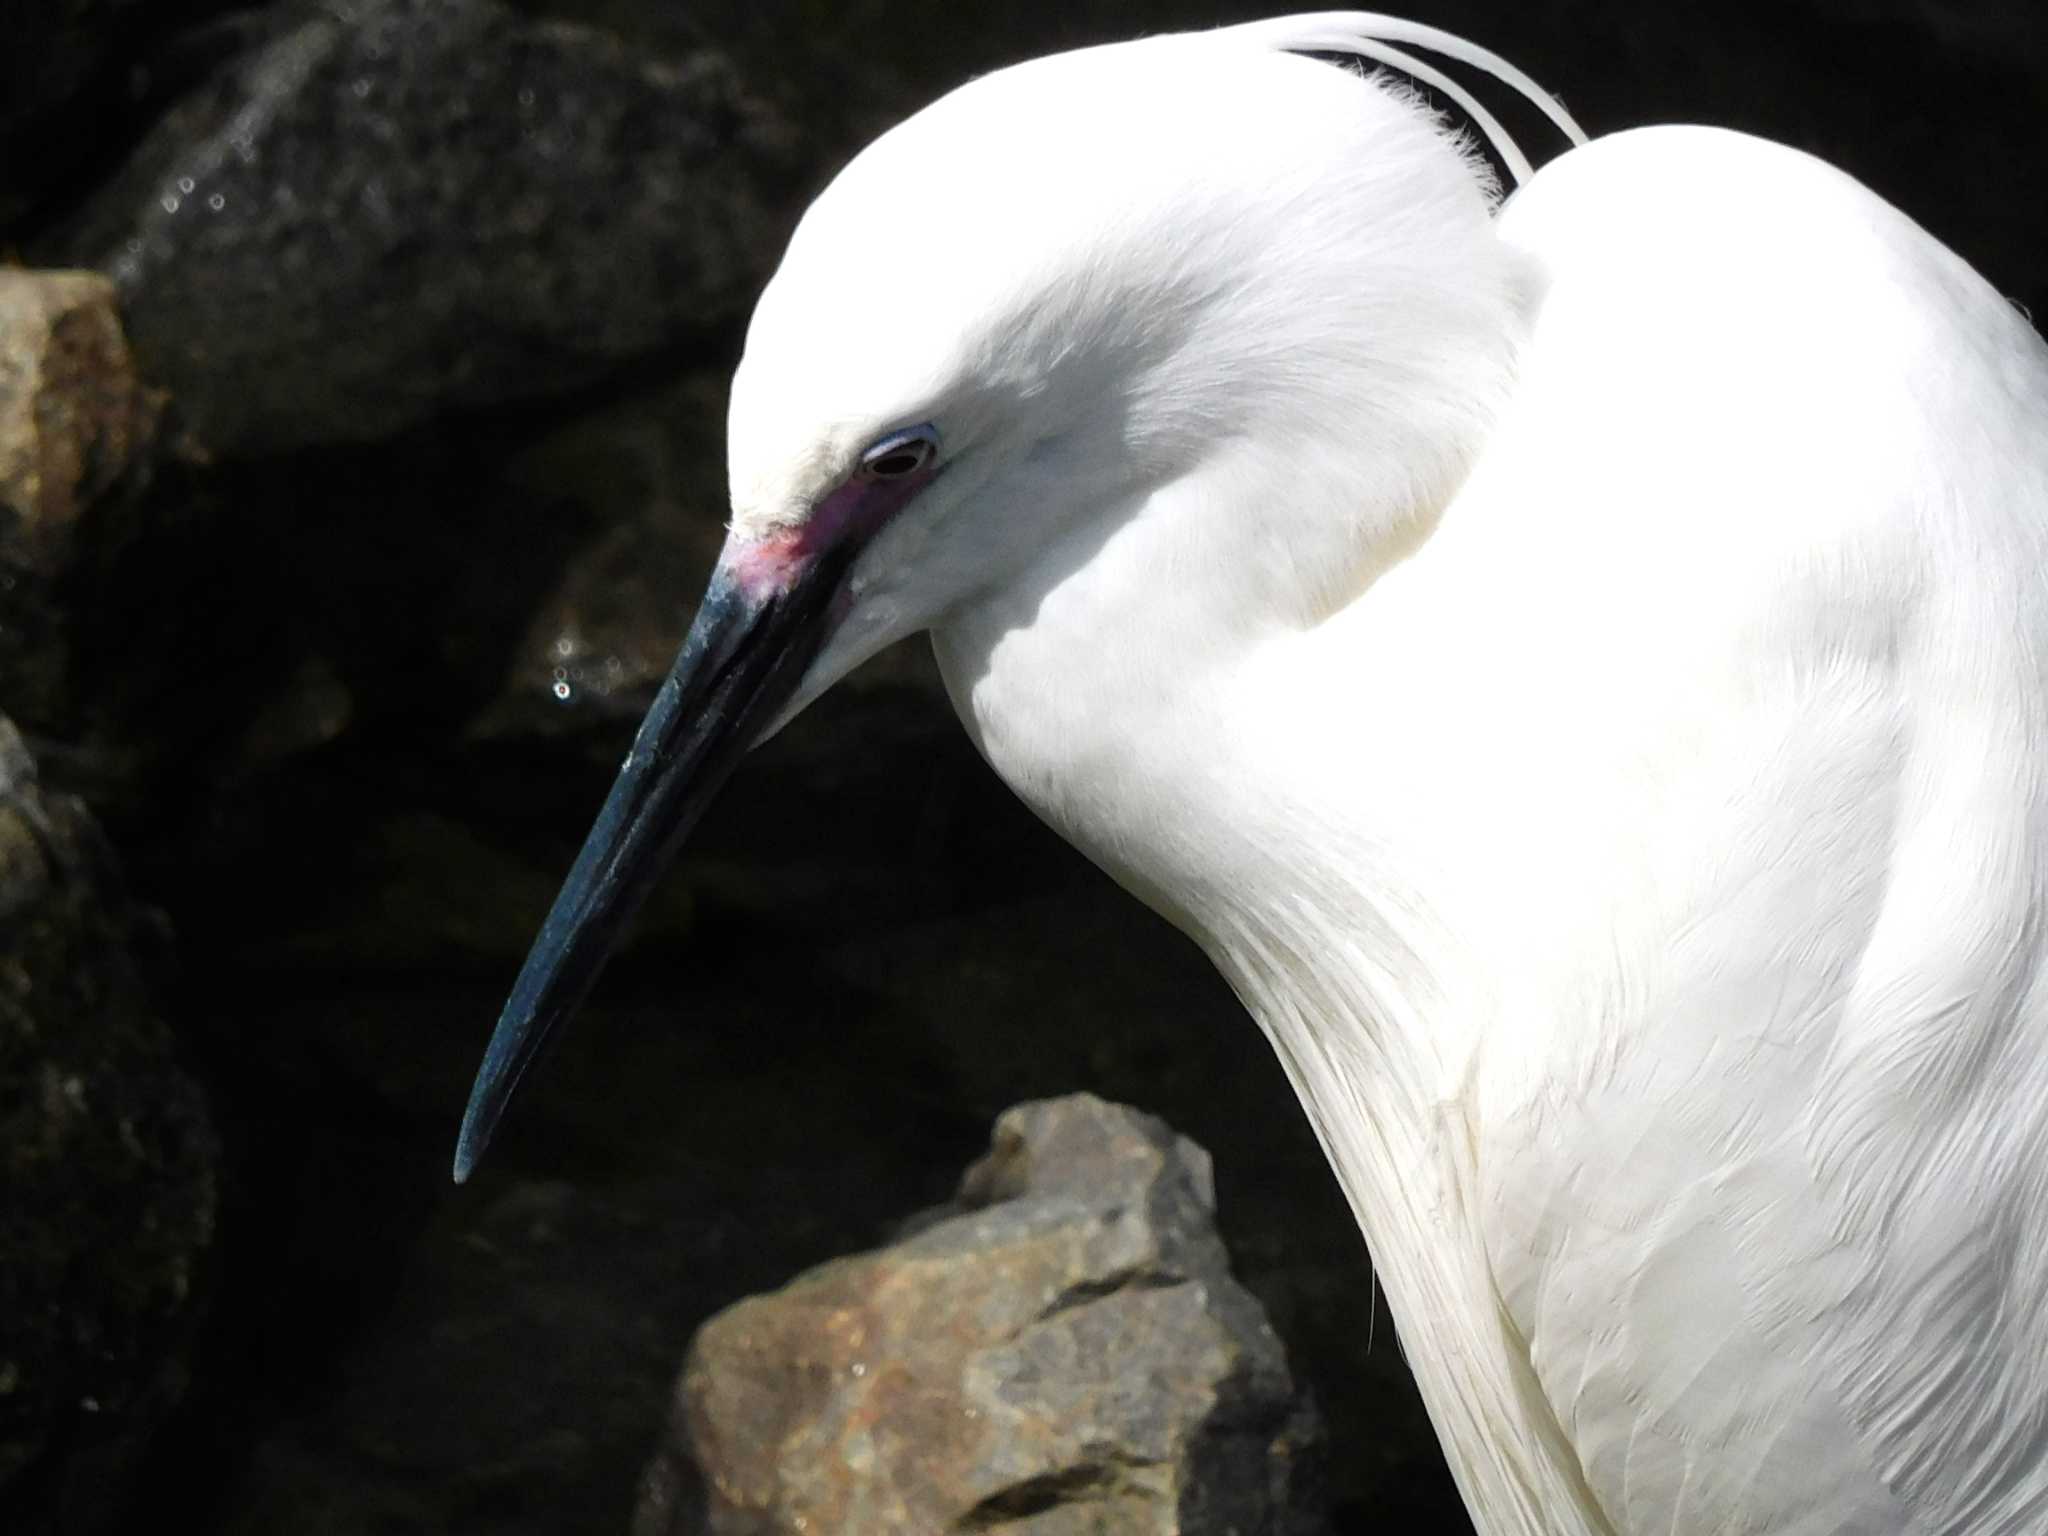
[{"x": 1578, "y": 671}]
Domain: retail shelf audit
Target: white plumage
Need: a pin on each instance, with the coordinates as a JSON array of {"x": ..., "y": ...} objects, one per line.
[{"x": 1576, "y": 666}]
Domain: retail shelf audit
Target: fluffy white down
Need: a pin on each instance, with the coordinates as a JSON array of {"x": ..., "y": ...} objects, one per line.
[{"x": 1579, "y": 673}]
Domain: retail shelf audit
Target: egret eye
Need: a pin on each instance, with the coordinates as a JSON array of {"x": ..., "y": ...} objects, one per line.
[{"x": 901, "y": 454}]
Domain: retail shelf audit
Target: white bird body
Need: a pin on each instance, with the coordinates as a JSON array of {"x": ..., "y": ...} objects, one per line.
[
  {"x": 1578, "y": 669},
  {"x": 1640, "y": 879}
]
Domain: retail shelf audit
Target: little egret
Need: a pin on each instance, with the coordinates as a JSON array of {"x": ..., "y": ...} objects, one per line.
[{"x": 1575, "y": 664}]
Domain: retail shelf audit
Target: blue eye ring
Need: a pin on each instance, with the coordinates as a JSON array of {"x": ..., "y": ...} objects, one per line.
[{"x": 901, "y": 455}]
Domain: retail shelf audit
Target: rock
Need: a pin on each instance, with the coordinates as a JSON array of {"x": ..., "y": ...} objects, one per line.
[
  {"x": 398, "y": 208},
  {"x": 109, "y": 1164},
  {"x": 647, "y": 476},
  {"x": 74, "y": 418},
  {"x": 76, "y": 425},
  {"x": 1062, "y": 1350}
]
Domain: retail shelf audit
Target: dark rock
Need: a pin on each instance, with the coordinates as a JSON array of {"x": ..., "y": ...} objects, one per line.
[
  {"x": 1061, "y": 1350},
  {"x": 647, "y": 476},
  {"x": 76, "y": 425},
  {"x": 523, "y": 583},
  {"x": 109, "y": 1165},
  {"x": 399, "y": 208}
]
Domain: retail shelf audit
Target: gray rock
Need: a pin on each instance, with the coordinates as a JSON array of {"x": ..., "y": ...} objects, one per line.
[
  {"x": 109, "y": 1164},
  {"x": 397, "y": 208},
  {"x": 1062, "y": 1350}
]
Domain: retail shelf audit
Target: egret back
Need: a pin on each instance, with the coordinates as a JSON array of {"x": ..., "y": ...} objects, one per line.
[
  {"x": 1638, "y": 875},
  {"x": 1788, "y": 1130}
]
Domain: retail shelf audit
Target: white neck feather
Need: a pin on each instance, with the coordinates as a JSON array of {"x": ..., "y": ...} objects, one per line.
[
  {"x": 1337, "y": 935},
  {"x": 1339, "y": 939},
  {"x": 1150, "y": 687},
  {"x": 1373, "y": 1009}
]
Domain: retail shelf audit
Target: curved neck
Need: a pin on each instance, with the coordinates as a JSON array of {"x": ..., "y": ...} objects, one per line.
[
  {"x": 1176, "y": 686},
  {"x": 1311, "y": 456}
]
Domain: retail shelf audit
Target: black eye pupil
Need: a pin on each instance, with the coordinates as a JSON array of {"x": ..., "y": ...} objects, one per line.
[
  {"x": 901, "y": 462},
  {"x": 901, "y": 454}
]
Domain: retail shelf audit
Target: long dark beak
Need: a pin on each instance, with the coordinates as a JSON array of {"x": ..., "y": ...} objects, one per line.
[{"x": 743, "y": 658}]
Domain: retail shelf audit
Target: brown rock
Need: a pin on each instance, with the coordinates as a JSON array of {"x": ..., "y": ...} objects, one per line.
[
  {"x": 75, "y": 424},
  {"x": 74, "y": 419},
  {"x": 1062, "y": 1351}
]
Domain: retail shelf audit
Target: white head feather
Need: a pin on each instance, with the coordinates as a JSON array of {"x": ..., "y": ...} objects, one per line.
[{"x": 1107, "y": 269}]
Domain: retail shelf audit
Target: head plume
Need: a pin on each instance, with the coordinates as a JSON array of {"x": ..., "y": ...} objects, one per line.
[{"x": 1385, "y": 40}]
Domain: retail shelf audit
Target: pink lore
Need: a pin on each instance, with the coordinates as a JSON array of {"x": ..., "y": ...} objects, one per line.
[{"x": 856, "y": 509}]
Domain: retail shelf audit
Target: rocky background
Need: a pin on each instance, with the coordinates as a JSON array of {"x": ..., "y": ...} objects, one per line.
[{"x": 361, "y": 392}]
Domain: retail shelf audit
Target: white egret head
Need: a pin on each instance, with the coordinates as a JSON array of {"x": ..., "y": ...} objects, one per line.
[
  {"x": 1086, "y": 275},
  {"x": 1005, "y": 326}
]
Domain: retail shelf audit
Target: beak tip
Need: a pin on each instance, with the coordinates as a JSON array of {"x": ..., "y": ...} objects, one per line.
[{"x": 472, "y": 1140}]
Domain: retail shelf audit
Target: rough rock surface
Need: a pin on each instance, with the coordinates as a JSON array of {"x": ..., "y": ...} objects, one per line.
[
  {"x": 396, "y": 208},
  {"x": 76, "y": 424},
  {"x": 1062, "y": 1350},
  {"x": 108, "y": 1163},
  {"x": 73, "y": 416}
]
